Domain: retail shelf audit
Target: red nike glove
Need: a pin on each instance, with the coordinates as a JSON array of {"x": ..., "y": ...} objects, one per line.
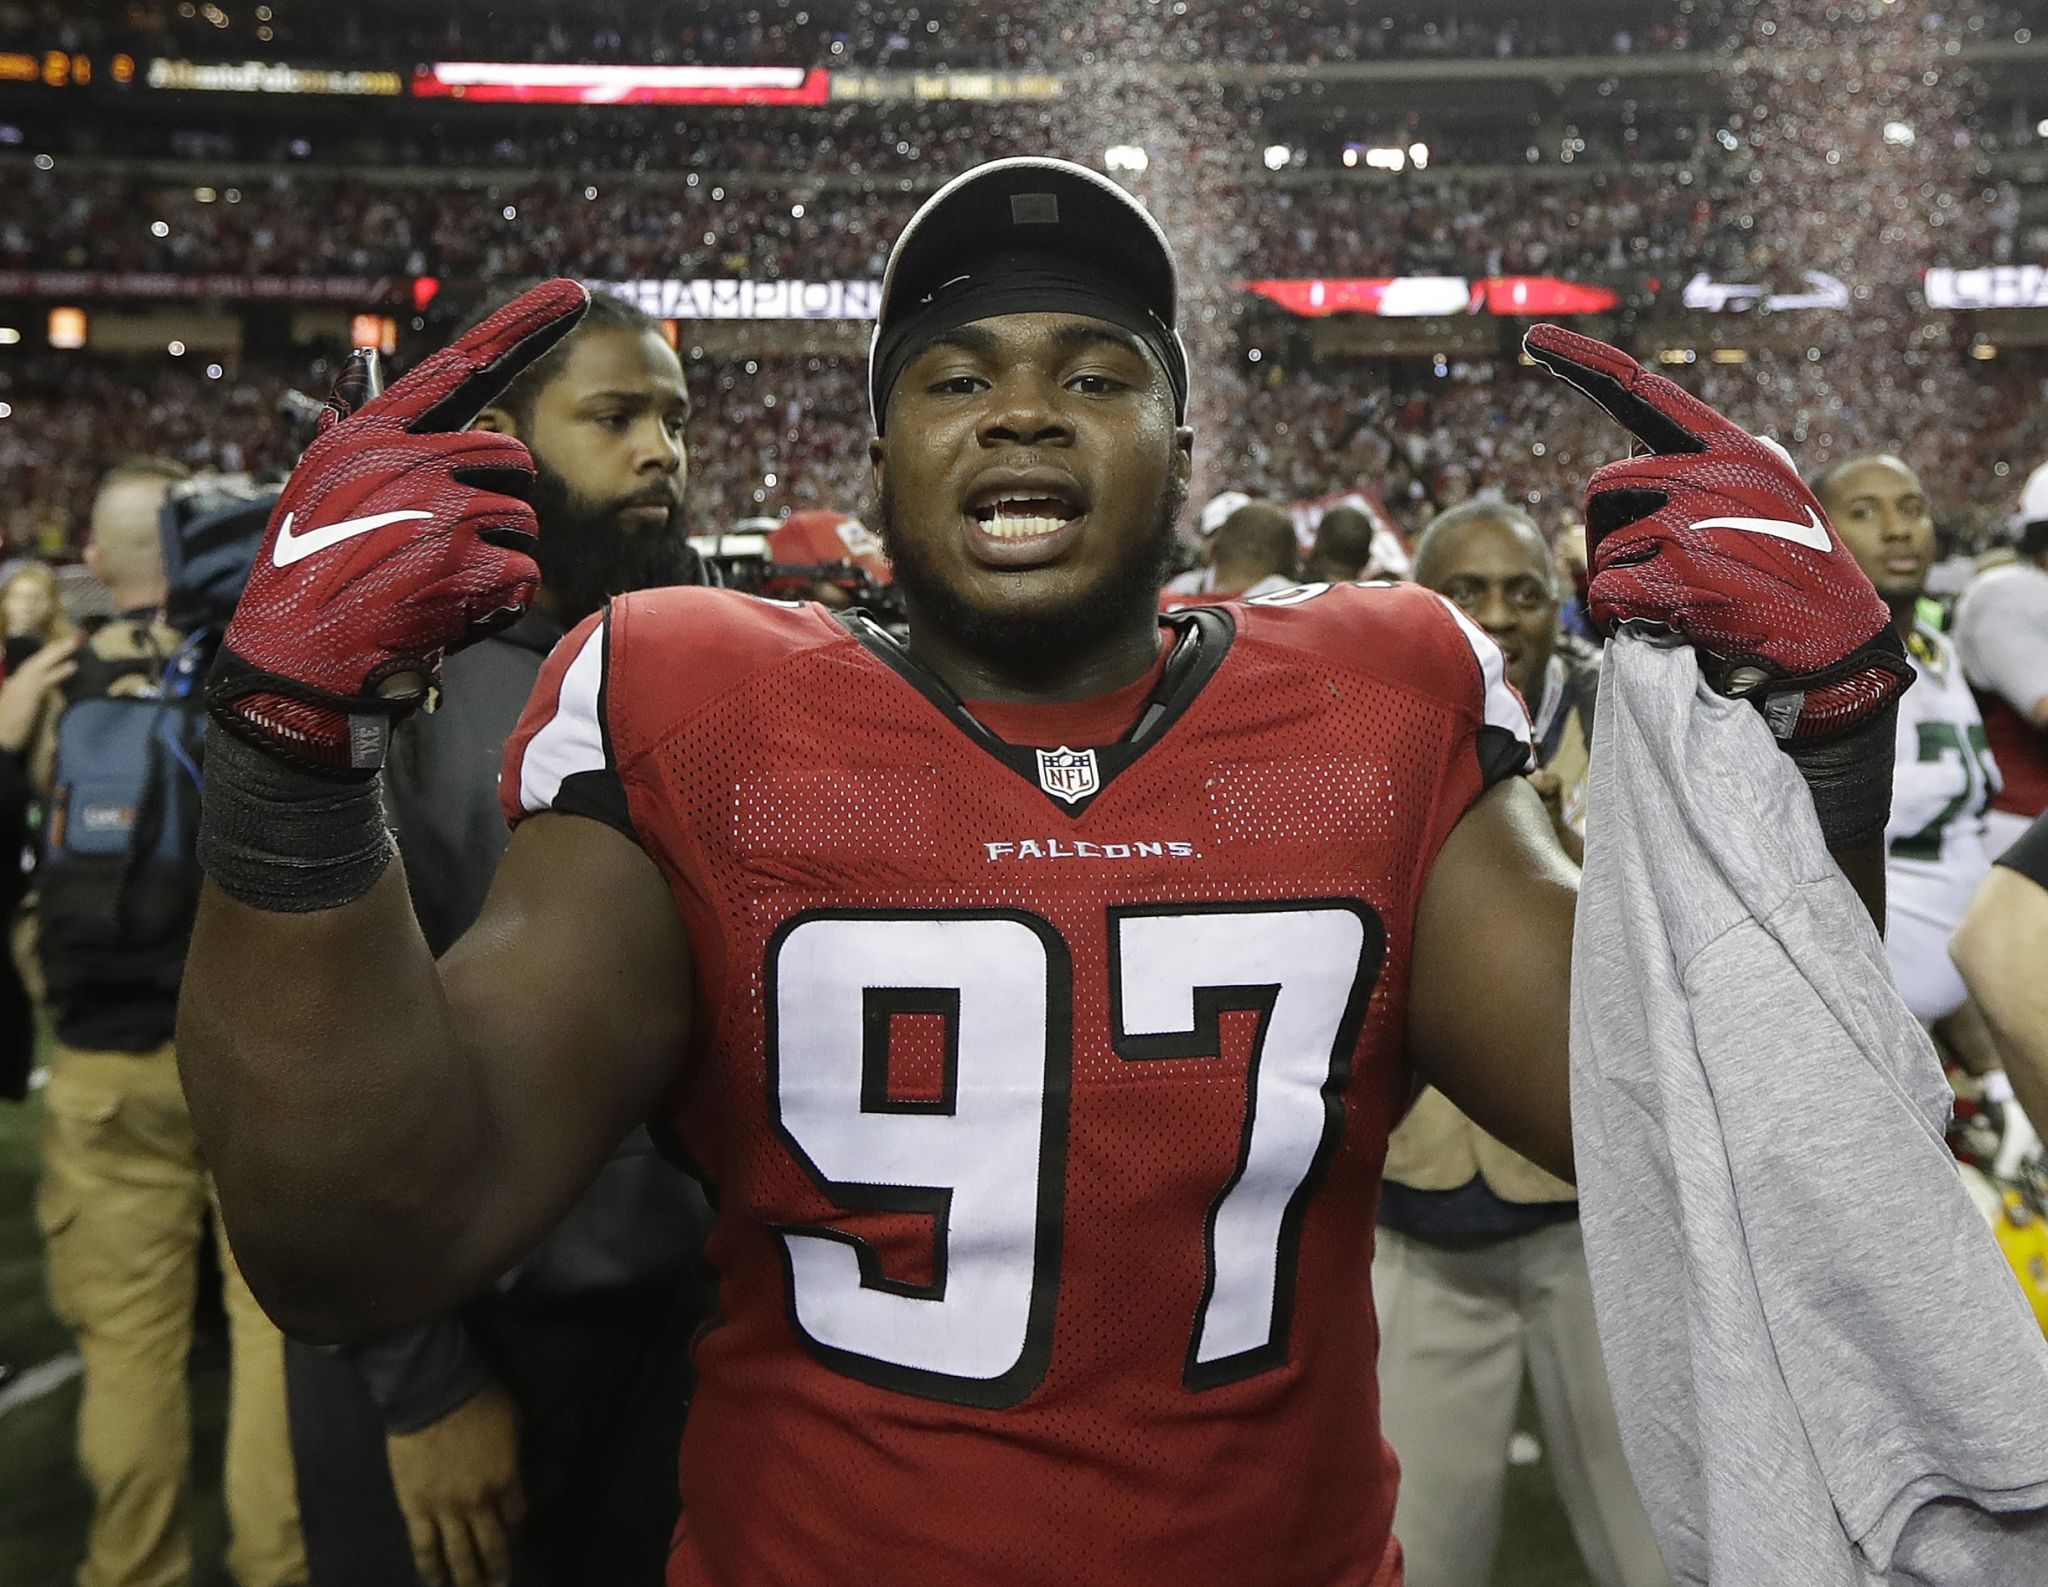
[
  {"x": 401, "y": 536},
  {"x": 1714, "y": 537}
]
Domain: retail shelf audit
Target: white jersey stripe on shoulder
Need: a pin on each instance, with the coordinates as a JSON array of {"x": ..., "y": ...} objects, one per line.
[
  {"x": 1501, "y": 706},
  {"x": 573, "y": 739}
]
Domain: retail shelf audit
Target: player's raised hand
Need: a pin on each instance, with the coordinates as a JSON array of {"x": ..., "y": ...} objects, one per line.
[
  {"x": 1713, "y": 536},
  {"x": 401, "y": 536}
]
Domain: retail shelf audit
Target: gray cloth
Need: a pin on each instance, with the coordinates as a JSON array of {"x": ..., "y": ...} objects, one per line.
[
  {"x": 1825, "y": 1373},
  {"x": 642, "y": 1223}
]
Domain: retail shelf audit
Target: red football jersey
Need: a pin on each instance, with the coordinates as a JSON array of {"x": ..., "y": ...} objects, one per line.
[{"x": 1044, "y": 1090}]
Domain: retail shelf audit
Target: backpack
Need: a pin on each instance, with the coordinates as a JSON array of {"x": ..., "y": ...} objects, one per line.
[{"x": 119, "y": 877}]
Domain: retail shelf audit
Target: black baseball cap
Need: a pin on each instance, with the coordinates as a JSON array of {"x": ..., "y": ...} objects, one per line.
[{"x": 1022, "y": 235}]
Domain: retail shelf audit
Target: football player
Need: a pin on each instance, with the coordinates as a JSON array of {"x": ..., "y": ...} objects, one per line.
[
  {"x": 1944, "y": 782},
  {"x": 1038, "y": 993},
  {"x": 1945, "y": 776}
]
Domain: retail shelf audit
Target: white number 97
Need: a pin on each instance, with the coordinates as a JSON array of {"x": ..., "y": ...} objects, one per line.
[{"x": 986, "y": 1159}]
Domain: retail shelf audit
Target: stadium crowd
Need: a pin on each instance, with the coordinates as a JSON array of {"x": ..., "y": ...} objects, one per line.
[
  {"x": 820, "y": 32},
  {"x": 858, "y": 148},
  {"x": 842, "y": 148},
  {"x": 773, "y": 435},
  {"x": 1614, "y": 226}
]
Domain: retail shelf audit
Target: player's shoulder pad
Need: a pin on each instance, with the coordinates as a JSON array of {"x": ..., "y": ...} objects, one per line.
[
  {"x": 1403, "y": 633},
  {"x": 673, "y": 651},
  {"x": 622, "y": 677},
  {"x": 1377, "y": 626}
]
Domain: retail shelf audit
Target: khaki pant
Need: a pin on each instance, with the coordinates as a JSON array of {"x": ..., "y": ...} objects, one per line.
[
  {"x": 1458, "y": 1327},
  {"x": 123, "y": 1205}
]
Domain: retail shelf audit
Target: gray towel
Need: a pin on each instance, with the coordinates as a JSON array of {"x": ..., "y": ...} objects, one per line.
[{"x": 1824, "y": 1370}]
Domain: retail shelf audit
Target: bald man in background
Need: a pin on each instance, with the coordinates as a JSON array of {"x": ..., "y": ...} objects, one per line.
[{"x": 124, "y": 1201}]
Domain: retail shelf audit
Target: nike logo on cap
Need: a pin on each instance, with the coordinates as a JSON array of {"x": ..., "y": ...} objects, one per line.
[
  {"x": 292, "y": 548},
  {"x": 1813, "y": 535}
]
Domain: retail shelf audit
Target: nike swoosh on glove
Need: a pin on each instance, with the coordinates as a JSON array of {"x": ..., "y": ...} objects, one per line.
[
  {"x": 1715, "y": 538},
  {"x": 401, "y": 536}
]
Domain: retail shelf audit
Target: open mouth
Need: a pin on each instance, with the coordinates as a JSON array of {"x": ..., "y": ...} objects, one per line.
[
  {"x": 1024, "y": 518},
  {"x": 1016, "y": 517}
]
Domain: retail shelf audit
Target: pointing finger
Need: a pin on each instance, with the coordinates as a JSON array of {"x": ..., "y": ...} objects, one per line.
[{"x": 451, "y": 387}]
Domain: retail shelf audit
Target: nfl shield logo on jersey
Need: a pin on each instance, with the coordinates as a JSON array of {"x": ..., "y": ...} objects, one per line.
[{"x": 1068, "y": 774}]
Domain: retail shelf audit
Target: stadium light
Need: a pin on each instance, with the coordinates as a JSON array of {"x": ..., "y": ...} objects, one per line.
[
  {"x": 1418, "y": 156},
  {"x": 1898, "y": 134},
  {"x": 9, "y": 336},
  {"x": 1678, "y": 355},
  {"x": 1984, "y": 352},
  {"x": 1351, "y": 154},
  {"x": 1277, "y": 156},
  {"x": 67, "y": 329},
  {"x": 1387, "y": 159},
  {"x": 374, "y": 330},
  {"x": 1126, "y": 157},
  {"x": 2042, "y": 129}
]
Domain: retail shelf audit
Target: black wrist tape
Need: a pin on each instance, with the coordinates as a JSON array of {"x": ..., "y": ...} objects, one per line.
[
  {"x": 1850, "y": 778},
  {"x": 281, "y": 838}
]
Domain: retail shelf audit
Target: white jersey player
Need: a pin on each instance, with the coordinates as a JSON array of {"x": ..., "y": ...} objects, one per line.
[
  {"x": 1945, "y": 776},
  {"x": 1935, "y": 851}
]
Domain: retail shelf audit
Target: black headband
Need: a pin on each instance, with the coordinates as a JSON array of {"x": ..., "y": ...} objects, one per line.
[{"x": 1020, "y": 283}]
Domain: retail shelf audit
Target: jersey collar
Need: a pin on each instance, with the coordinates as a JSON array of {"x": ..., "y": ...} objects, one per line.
[{"x": 1203, "y": 638}]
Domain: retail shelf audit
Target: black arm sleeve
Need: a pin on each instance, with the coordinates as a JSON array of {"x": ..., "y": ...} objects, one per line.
[{"x": 2029, "y": 856}]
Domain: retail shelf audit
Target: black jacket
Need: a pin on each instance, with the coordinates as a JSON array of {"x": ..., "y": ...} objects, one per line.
[{"x": 641, "y": 1225}]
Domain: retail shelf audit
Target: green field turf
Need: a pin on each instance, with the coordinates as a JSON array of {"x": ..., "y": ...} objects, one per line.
[{"x": 43, "y": 1501}]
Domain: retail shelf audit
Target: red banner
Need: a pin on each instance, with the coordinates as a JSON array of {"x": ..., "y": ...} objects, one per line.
[
  {"x": 549, "y": 83},
  {"x": 1417, "y": 297},
  {"x": 1511, "y": 297}
]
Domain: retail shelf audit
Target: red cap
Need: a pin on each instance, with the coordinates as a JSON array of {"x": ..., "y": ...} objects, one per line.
[{"x": 819, "y": 543}]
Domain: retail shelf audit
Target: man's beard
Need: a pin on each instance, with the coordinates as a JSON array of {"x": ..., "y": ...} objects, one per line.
[
  {"x": 588, "y": 553},
  {"x": 1039, "y": 641}
]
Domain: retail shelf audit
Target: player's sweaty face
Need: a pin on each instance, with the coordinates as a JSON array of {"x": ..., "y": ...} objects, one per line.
[
  {"x": 1881, "y": 513},
  {"x": 1028, "y": 461}
]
